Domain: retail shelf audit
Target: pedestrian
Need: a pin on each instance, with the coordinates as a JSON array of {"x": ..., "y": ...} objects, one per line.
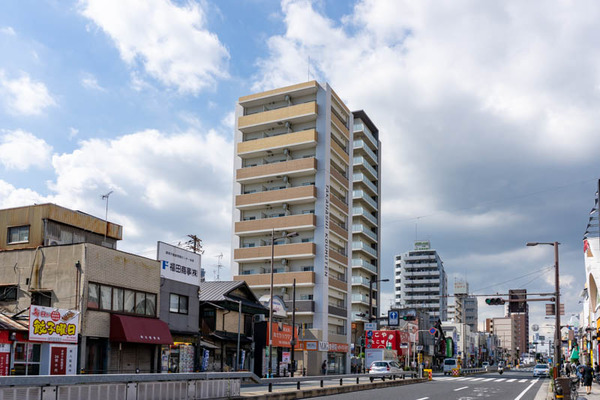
[
  {"x": 568, "y": 368},
  {"x": 324, "y": 367},
  {"x": 588, "y": 377},
  {"x": 596, "y": 368}
]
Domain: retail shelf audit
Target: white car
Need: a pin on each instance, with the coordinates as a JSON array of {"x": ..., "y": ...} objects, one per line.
[
  {"x": 540, "y": 370},
  {"x": 384, "y": 367}
]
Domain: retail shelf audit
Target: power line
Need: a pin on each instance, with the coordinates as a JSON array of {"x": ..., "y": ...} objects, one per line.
[{"x": 545, "y": 269}]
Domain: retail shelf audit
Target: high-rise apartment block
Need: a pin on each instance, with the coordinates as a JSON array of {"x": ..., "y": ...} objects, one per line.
[
  {"x": 421, "y": 281},
  {"x": 296, "y": 159}
]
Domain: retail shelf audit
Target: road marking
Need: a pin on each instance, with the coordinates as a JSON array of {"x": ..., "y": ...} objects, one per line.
[
  {"x": 500, "y": 380},
  {"x": 510, "y": 380},
  {"x": 463, "y": 379},
  {"x": 460, "y": 388},
  {"x": 489, "y": 379},
  {"x": 523, "y": 380},
  {"x": 423, "y": 398},
  {"x": 526, "y": 389},
  {"x": 476, "y": 379}
]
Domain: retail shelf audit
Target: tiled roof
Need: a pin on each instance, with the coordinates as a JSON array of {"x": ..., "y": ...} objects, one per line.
[
  {"x": 217, "y": 290},
  {"x": 10, "y": 324}
]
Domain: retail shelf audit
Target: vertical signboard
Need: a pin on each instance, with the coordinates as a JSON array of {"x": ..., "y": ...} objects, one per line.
[
  {"x": 179, "y": 264},
  {"x": 4, "y": 359},
  {"x": 63, "y": 359}
]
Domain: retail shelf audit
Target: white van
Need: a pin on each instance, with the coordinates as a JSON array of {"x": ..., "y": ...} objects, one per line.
[{"x": 449, "y": 365}]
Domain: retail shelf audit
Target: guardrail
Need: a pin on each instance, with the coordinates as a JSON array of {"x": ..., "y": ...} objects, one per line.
[{"x": 321, "y": 378}]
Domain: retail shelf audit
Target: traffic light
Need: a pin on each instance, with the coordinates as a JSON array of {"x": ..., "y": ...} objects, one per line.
[
  {"x": 409, "y": 318},
  {"x": 495, "y": 301}
]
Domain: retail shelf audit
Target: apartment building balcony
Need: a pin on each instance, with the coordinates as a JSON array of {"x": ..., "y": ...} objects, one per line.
[
  {"x": 423, "y": 290},
  {"x": 360, "y": 147},
  {"x": 293, "y": 141},
  {"x": 305, "y": 307},
  {"x": 339, "y": 257},
  {"x": 338, "y": 311},
  {"x": 362, "y": 178},
  {"x": 338, "y": 284},
  {"x": 419, "y": 258},
  {"x": 360, "y": 298},
  {"x": 361, "y": 246},
  {"x": 295, "y": 114},
  {"x": 431, "y": 273},
  {"x": 363, "y": 212},
  {"x": 361, "y": 130},
  {"x": 367, "y": 266},
  {"x": 292, "y": 168},
  {"x": 369, "y": 170},
  {"x": 364, "y": 196},
  {"x": 289, "y": 223},
  {"x": 360, "y": 228},
  {"x": 341, "y": 127},
  {"x": 357, "y": 318},
  {"x": 340, "y": 204},
  {"x": 361, "y": 281},
  {"x": 281, "y": 279},
  {"x": 277, "y": 95},
  {"x": 263, "y": 253},
  {"x": 421, "y": 281},
  {"x": 420, "y": 297},
  {"x": 340, "y": 231},
  {"x": 342, "y": 180},
  {"x": 299, "y": 194},
  {"x": 341, "y": 152}
]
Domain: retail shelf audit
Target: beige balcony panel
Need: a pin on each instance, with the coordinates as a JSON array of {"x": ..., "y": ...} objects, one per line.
[
  {"x": 340, "y": 152},
  {"x": 294, "y": 250},
  {"x": 299, "y": 113},
  {"x": 338, "y": 257},
  {"x": 339, "y": 230},
  {"x": 338, "y": 124},
  {"x": 339, "y": 204},
  {"x": 292, "y": 195},
  {"x": 341, "y": 103},
  {"x": 294, "y": 141},
  {"x": 339, "y": 177},
  {"x": 338, "y": 284},
  {"x": 291, "y": 222},
  {"x": 293, "y": 168},
  {"x": 279, "y": 279},
  {"x": 301, "y": 89}
]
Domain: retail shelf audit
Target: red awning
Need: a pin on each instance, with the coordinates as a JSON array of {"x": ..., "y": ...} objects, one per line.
[{"x": 124, "y": 328}]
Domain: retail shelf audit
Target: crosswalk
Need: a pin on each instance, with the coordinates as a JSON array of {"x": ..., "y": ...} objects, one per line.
[{"x": 479, "y": 379}]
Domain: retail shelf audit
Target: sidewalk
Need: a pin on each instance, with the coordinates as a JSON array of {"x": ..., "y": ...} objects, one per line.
[{"x": 581, "y": 395}]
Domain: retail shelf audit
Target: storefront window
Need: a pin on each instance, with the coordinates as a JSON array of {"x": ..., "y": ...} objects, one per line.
[
  {"x": 27, "y": 358},
  {"x": 93, "y": 300}
]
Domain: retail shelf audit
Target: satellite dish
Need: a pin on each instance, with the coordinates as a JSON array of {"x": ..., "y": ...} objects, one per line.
[{"x": 535, "y": 327}]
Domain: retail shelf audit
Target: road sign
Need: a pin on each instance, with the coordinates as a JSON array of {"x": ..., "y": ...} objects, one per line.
[
  {"x": 370, "y": 326},
  {"x": 419, "y": 348},
  {"x": 432, "y": 330},
  {"x": 393, "y": 318},
  {"x": 369, "y": 334}
]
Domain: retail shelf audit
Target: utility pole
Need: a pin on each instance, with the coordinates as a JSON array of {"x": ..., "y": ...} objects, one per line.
[
  {"x": 105, "y": 197},
  {"x": 195, "y": 244}
]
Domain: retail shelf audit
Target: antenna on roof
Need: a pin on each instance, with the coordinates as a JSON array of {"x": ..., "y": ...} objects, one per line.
[
  {"x": 105, "y": 197},
  {"x": 219, "y": 266}
]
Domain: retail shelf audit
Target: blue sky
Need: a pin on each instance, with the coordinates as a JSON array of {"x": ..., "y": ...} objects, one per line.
[{"x": 488, "y": 113}]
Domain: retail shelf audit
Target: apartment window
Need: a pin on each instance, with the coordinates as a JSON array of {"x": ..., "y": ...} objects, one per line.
[
  {"x": 42, "y": 298},
  {"x": 306, "y": 297},
  {"x": 18, "y": 234},
  {"x": 8, "y": 293},
  {"x": 308, "y": 268},
  {"x": 308, "y": 211},
  {"x": 178, "y": 303},
  {"x": 110, "y": 298}
]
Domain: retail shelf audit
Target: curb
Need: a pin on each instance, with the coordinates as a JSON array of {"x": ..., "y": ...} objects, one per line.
[{"x": 315, "y": 392}]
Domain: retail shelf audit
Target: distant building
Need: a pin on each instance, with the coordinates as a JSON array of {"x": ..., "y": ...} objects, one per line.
[
  {"x": 421, "y": 281},
  {"x": 465, "y": 306},
  {"x": 504, "y": 329},
  {"x": 519, "y": 312}
]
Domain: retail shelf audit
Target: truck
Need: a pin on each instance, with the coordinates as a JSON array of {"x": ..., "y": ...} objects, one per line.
[{"x": 379, "y": 355}]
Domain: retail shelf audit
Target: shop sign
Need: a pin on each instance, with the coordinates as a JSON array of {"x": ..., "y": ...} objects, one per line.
[
  {"x": 279, "y": 307},
  {"x": 63, "y": 359},
  {"x": 4, "y": 359},
  {"x": 286, "y": 356},
  {"x": 338, "y": 347},
  {"x": 178, "y": 264},
  {"x": 282, "y": 335},
  {"x": 310, "y": 345},
  {"x": 48, "y": 324},
  {"x": 323, "y": 346}
]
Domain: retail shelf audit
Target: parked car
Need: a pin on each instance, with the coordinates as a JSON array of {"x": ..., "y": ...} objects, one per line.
[
  {"x": 541, "y": 370},
  {"x": 384, "y": 367},
  {"x": 449, "y": 365}
]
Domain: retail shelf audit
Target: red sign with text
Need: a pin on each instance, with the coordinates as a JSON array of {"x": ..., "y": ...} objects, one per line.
[
  {"x": 58, "y": 360},
  {"x": 282, "y": 335}
]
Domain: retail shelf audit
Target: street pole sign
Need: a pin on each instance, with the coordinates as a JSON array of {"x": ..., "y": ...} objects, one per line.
[
  {"x": 432, "y": 331},
  {"x": 370, "y": 326},
  {"x": 393, "y": 318}
]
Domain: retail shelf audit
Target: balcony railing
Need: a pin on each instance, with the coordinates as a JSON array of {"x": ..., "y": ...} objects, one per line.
[
  {"x": 361, "y": 161},
  {"x": 362, "y": 246},
  {"x": 360, "y": 228},
  {"x": 359, "y": 211},
  {"x": 361, "y": 145},
  {"x": 360, "y": 127},
  {"x": 360, "y": 298},
  {"x": 362, "y": 195},
  {"x": 358, "y": 262},
  {"x": 361, "y": 178}
]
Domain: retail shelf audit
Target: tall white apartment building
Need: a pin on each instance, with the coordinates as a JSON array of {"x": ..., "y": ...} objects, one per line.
[
  {"x": 365, "y": 222},
  {"x": 421, "y": 281},
  {"x": 294, "y": 172}
]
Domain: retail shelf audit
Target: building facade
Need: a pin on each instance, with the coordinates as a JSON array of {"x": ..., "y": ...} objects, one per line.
[
  {"x": 421, "y": 281},
  {"x": 292, "y": 204},
  {"x": 465, "y": 306}
]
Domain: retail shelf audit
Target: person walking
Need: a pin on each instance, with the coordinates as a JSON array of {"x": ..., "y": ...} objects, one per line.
[
  {"x": 568, "y": 368},
  {"x": 588, "y": 377},
  {"x": 324, "y": 367}
]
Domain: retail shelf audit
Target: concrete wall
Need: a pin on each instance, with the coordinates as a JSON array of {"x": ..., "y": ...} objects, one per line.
[{"x": 181, "y": 323}]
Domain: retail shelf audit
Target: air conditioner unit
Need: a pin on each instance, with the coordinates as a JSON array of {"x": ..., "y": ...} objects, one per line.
[{"x": 259, "y": 318}]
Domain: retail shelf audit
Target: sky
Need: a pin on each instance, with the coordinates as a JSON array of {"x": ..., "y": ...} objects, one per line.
[{"x": 488, "y": 114}]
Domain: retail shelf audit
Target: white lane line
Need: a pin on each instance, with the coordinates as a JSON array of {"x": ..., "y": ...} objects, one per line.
[
  {"x": 460, "y": 388},
  {"x": 523, "y": 380},
  {"x": 500, "y": 380},
  {"x": 476, "y": 379},
  {"x": 489, "y": 379},
  {"x": 423, "y": 398},
  {"x": 464, "y": 379},
  {"x": 526, "y": 389},
  {"x": 510, "y": 380}
]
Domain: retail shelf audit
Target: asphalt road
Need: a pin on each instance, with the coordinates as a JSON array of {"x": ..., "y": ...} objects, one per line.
[{"x": 512, "y": 385}]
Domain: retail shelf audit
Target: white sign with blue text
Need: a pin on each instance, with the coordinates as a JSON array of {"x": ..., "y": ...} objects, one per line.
[{"x": 178, "y": 264}]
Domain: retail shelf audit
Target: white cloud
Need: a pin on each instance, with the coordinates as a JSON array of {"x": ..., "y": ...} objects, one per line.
[
  {"x": 20, "y": 150},
  {"x": 24, "y": 96},
  {"x": 89, "y": 81},
  {"x": 73, "y": 132},
  {"x": 171, "y": 42},
  {"x": 8, "y": 30},
  {"x": 11, "y": 196}
]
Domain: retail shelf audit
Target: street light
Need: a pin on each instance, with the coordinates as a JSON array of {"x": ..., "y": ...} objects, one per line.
[
  {"x": 557, "y": 338},
  {"x": 371, "y": 282},
  {"x": 285, "y": 236}
]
